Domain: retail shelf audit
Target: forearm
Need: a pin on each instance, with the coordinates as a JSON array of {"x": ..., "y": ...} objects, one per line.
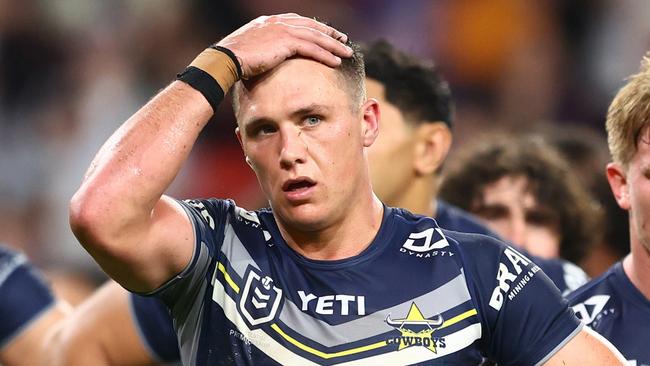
[
  {"x": 587, "y": 348},
  {"x": 101, "y": 331}
]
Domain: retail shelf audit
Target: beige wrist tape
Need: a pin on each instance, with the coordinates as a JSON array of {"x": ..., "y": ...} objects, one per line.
[{"x": 219, "y": 65}]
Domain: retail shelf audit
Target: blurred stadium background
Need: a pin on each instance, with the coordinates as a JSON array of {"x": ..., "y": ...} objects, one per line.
[{"x": 72, "y": 70}]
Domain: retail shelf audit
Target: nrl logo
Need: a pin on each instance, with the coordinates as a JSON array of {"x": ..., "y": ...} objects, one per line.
[
  {"x": 416, "y": 330},
  {"x": 260, "y": 299}
]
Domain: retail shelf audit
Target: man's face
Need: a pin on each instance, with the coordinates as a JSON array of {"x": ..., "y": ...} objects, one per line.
[
  {"x": 510, "y": 209},
  {"x": 305, "y": 141},
  {"x": 391, "y": 156},
  {"x": 633, "y": 194}
]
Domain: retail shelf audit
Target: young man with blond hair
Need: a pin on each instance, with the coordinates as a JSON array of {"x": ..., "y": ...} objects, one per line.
[{"x": 617, "y": 304}]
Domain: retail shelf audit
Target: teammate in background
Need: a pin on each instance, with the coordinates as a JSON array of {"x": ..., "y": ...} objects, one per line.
[
  {"x": 521, "y": 188},
  {"x": 29, "y": 312},
  {"x": 415, "y": 136},
  {"x": 415, "y": 87},
  {"x": 585, "y": 150},
  {"x": 617, "y": 304},
  {"x": 104, "y": 331},
  {"x": 298, "y": 284}
]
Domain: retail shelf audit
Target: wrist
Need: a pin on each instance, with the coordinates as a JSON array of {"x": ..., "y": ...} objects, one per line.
[{"x": 213, "y": 72}]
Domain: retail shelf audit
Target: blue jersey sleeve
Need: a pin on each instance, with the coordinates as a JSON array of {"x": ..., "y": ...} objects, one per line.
[
  {"x": 208, "y": 218},
  {"x": 24, "y": 295},
  {"x": 155, "y": 327},
  {"x": 525, "y": 319}
]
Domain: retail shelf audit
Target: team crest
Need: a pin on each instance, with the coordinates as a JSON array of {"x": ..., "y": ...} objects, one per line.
[
  {"x": 416, "y": 330},
  {"x": 260, "y": 299}
]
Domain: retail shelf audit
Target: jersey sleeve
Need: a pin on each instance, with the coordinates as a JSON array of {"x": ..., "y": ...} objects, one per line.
[
  {"x": 155, "y": 327},
  {"x": 525, "y": 318},
  {"x": 24, "y": 295},
  {"x": 208, "y": 218}
]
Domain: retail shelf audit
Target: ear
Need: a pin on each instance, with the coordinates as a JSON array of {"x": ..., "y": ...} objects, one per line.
[
  {"x": 241, "y": 143},
  {"x": 370, "y": 127},
  {"x": 238, "y": 134},
  {"x": 617, "y": 178},
  {"x": 433, "y": 141}
]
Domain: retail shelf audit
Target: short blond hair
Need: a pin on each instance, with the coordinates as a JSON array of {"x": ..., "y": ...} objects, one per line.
[{"x": 629, "y": 115}]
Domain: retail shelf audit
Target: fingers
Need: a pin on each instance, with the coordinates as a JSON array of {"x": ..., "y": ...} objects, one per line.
[
  {"x": 322, "y": 40},
  {"x": 297, "y": 20},
  {"x": 265, "y": 42},
  {"x": 317, "y": 53}
]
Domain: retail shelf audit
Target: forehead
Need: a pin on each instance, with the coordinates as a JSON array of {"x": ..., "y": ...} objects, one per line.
[{"x": 292, "y": 85}]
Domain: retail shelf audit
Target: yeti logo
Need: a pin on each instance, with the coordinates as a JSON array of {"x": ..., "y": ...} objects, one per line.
[{"x": 260, "y": 300}]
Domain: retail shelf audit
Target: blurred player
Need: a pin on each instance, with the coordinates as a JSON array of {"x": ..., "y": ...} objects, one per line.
[
  {"x": 617, "y": 304},
  {"x": 29, "y": 312},
  {"x": 407, "y": 158},
  {"x": 521, "y": 188},
  {"x": 104, "y": 331}
]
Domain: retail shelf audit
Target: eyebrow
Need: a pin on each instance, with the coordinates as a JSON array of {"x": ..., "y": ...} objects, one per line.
[
  {"x": 251, "y": 125},
  {"x": 313, "y": 108},
  {"x": 310, "y": 109}
]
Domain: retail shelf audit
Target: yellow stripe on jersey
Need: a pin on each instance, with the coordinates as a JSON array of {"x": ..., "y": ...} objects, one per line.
[
  {"x": 348, "y": 352},
  {"x": 458, "y": 318},
  {"x": 369, "y": 347},
  {"x": 325, "y": 355},
  {"x": 229, "y": 280}
]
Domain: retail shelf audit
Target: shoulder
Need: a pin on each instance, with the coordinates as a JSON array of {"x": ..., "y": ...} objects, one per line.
[
  {"x": 564, "y": 274},
  {"x": 24, "y": 292},
  {"x": 13, "y": 262},
  {"x": 9, "y": 261},
  {"x": 454, "y": 218},
  {"x": 476, "y": 247},
  {"x": 600, "y": 285}
]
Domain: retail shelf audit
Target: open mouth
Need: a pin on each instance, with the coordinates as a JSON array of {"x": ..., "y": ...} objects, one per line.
[{"x": 297, "y": 184}]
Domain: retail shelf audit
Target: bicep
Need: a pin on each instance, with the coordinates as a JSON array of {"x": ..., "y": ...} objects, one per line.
[
  {"x": 586, "y": 348},
  {"x": 161, "y": 249}
]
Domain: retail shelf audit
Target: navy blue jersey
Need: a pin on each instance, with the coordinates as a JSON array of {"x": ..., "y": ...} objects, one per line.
[
  {"x": 155, "y": 326},
  {"x": 418, "y": 295},
  {"x": 615, "y": 308},
  {"x": 565, "y": 275},
  {"x": 24, "y": 295}
]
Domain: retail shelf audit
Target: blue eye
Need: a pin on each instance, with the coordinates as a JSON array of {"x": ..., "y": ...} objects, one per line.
[{"x": 312, "y": 120}]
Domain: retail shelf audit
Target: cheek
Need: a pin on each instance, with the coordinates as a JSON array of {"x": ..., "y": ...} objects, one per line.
[{"x": 543, "y": 242}]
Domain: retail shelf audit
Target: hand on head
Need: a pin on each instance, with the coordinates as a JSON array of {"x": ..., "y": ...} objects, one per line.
[{"x": 265, "y": 42}]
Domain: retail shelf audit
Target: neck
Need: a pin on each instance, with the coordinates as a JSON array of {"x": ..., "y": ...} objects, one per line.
[
  {"x": 637, "y": 267},
  {"x": 418, "y": 197},
  {"x": 343, "y": 238}
]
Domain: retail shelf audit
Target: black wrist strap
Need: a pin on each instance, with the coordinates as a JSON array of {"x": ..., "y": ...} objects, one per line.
[{"x": 204, "y": 83}]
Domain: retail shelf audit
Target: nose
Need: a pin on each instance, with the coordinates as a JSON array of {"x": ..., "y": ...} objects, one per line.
[
  {"x": 293, "y": 150},
  {"x": 518, "y": 230}
]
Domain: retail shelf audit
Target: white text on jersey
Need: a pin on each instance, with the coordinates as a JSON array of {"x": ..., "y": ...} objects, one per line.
[{"x": 325, "y": 305}]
